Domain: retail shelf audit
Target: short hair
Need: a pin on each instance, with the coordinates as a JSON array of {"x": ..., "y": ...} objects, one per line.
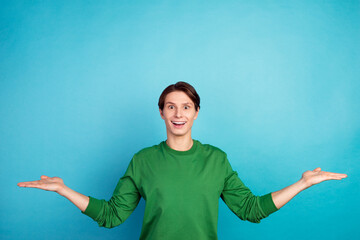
[{"x": 184, "y": 87}]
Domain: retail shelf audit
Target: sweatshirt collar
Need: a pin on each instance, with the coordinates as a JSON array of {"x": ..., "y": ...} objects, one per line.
[{"x": 176, "y": 152}]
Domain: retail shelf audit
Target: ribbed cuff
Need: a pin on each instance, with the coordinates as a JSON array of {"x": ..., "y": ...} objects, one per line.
[
  {"x": 93, "y": 208},
  {"x": 267, "y": 204}
]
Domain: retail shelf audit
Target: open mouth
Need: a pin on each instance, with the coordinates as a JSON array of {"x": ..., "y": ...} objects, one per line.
[{"x": 178, "y": 124}]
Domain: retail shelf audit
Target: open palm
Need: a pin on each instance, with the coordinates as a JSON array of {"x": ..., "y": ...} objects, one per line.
[
  {"x": 317, "y": 176},
  {"x": 46, "y": 183}
]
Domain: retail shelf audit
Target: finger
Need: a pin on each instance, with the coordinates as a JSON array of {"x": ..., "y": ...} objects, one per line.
[
  {"x": 334, "y": 176},
  {"x": 340, "y": 175},
  {"x": 44, "y": 177},
  {"x": 39, "y": 185},
  {"x": 317, "y": 169},
  {"x": 25, "y": 184},
  {"x": 31, "y": 183}
]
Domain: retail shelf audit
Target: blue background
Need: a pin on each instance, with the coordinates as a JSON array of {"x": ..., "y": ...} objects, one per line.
[{"x": 279, "y": 87}]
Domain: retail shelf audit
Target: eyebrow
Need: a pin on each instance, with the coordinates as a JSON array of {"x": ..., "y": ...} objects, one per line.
[{"x": 187, "y": 103}]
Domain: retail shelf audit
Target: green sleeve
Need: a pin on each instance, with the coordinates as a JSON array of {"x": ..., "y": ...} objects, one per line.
[
  {"x": 242, "y": 201},
  {"x": 122, "y": 203}
]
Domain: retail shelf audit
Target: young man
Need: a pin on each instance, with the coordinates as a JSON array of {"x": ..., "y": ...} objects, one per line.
[{"x": 181, "y": 181}]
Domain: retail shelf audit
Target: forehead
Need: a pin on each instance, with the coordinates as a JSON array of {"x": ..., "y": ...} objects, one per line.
[{"x": 178, "y": 97}]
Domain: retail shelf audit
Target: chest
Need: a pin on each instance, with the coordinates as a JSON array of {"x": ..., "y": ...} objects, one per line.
[{"x": 185, "y": 179}]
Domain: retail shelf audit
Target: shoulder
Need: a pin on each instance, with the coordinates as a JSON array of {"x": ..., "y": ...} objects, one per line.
[
  {"x": 211, "y": 149},
  {"x": 147, "y": 151}
]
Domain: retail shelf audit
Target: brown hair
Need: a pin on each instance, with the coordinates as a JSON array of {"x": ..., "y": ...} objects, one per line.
[{"x": 180, "y": 86}]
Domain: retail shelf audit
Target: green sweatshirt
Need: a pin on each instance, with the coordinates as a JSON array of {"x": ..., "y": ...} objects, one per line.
[{"x": 181, "y": 190}]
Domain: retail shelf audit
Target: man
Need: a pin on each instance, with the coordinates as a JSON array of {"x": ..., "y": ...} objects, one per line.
[{"x": 181, "y": 180}]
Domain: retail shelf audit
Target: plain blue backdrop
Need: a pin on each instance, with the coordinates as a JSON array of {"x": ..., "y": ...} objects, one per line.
[{"x": 279, "y": 87}]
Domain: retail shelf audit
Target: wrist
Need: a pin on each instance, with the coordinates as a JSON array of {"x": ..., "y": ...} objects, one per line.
[
  {"x": 303, "y": 184},
  {"x": 63, "y": 190}
]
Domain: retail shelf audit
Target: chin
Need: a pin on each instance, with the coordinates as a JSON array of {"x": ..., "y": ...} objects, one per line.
[{"x": 178, "y": 134}]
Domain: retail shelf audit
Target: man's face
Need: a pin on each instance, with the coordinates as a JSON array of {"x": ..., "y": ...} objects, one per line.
[{"x": 179, "y": 114}]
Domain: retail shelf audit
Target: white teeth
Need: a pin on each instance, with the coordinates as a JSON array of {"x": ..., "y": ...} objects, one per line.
[{"x": 179, "y": 122}]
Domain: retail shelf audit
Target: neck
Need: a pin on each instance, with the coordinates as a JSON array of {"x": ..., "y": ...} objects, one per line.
[{"x": 180, "y": 143}]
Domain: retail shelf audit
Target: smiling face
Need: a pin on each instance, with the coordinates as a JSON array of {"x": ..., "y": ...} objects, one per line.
[{"x": 179, "y": 114}]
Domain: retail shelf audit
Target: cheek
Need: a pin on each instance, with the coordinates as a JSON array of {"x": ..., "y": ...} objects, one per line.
[
  {"x": 166, "y": 115},
  {"x": 192, "y": 117}
]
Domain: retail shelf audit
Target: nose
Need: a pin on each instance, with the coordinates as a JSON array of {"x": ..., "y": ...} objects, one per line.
[{"x": 178, "y": 113}]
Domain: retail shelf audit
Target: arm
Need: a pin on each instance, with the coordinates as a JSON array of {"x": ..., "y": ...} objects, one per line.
[
  {"x": 241, "y": 201},
  {"x": 56, "y": 184},
  {"x": 106, "y": 213},
  {"x": 308, "y": 179}
]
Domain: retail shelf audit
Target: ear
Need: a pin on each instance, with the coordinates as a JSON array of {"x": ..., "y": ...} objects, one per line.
[
  {"x": 161, "y": 114},
  {"x": 196, "y": 114}
]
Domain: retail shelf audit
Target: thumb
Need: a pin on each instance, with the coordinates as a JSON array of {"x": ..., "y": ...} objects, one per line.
[
  {"x": 44, "y": 177},
  {"x": 317, "y": 169}
]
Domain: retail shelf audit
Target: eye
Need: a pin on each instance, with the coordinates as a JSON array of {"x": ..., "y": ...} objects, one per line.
[
  {"x": 171, "y": 107},
  {"x": 186, "y": 107}
]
